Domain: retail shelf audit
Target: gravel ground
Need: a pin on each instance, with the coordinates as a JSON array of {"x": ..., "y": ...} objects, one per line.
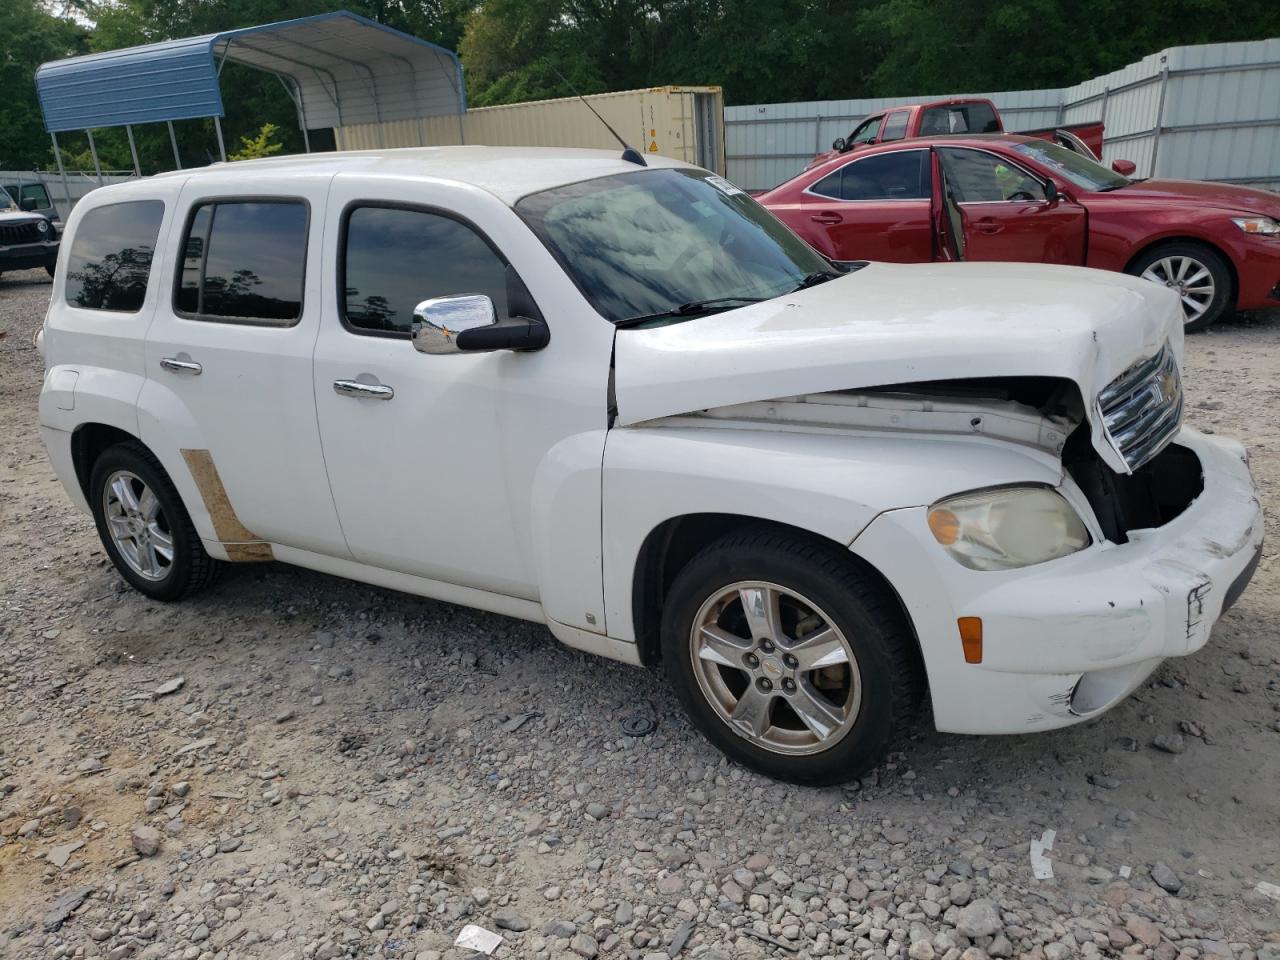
[{"x": 293, "y": 766}]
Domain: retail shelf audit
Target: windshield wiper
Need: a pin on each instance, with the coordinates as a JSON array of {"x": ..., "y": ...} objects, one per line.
[
  {"x": 813, "y": 279},
  {"x": 694, "y": 308}
]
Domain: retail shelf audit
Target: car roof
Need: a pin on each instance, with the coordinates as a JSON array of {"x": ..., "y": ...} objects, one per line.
[
  {"x": 508, "y": 173},
  {"x": 922, "y": 143}
]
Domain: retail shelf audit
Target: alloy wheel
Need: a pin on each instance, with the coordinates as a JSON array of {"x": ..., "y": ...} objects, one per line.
[
  {"x": 1192, "y": 280},
  {"x": 137, "y": 525},
  {"x": 775, "y": 668}
]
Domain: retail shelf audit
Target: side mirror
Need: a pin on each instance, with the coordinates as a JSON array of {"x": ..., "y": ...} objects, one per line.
[
  {"x": 1051, "y": 194},
  {"x": 27, "y": 204},
  {"x": 469, "y": 324},
  {"x": 838, "y": 145},
  {"x": 1125, "y": 168}
]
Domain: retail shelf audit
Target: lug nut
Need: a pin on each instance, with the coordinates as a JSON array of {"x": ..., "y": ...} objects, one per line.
[
  {"x": 790, "y": 661},
  {"x": 752, "y": 660},
  {"x": 765, "y": 684},
  {"x": 766, "y": 646},
  {"x": 789, "y": 685}
]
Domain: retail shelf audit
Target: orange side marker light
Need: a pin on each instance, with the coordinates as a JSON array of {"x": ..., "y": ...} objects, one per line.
[{"x": 971, "y": 638}]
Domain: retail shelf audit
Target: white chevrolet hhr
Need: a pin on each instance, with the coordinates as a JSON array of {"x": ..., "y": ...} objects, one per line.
[{"x": 624, "y": 401}]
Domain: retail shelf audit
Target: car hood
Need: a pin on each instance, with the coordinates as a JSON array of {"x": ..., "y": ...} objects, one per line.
[
  {"x": 19, "y": 216},
  {"x": 1202, "y": 193},
  {"x": 902, "y": 323}
]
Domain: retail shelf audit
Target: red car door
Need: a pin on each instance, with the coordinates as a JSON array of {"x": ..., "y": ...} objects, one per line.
[
  {"x": 874, "y": 207},
  {"x": 1007, "y": 212}
]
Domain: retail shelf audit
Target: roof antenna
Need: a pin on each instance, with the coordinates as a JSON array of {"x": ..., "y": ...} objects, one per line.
[{"x": 629, "y": 153}]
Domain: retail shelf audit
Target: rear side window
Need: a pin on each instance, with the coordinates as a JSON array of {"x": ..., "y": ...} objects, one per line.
[
  {"x": 110, "y": 257},
  {"x": 903, "y": 175},
  {"x": 959, "y": 118},
  {"x": 393, "y": 258},
  {"x": 895, "y": 126},
  {"x": 244, "y": 261}
]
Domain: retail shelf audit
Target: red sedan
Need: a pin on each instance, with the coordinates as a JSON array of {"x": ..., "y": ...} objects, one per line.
[{"x": 1018, "y": 198}]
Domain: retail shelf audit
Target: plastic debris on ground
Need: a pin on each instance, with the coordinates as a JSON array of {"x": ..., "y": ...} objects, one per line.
[
  {"x": 1041, "y": 865},
  {"x": 478, "y": 939}
]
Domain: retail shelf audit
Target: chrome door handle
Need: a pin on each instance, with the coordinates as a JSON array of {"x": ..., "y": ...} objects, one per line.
[
  {"x": 369, "y": 391},
  {"x": 181, "y": 366}
]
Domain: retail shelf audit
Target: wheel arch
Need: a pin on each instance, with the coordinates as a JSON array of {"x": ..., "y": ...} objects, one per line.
[
  {"x": 1168, "y": 240},
  {"x": 88, "y": 441},
  {"x": 670, "y": 545}
]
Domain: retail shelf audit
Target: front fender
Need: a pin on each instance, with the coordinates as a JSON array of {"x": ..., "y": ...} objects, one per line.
[{"x": 831, "y": 484}]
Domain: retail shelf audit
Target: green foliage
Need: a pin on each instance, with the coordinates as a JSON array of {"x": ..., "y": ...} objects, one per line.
[
  {"x": 760, "y": 51},
  {"x": 263, "y": 144},
  {"x": 29, "y": 35},
  {"x": 768, "y": 51}
]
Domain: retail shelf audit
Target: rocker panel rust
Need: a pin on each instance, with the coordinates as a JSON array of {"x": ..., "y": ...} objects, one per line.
[{"x": 241, "y": 544}]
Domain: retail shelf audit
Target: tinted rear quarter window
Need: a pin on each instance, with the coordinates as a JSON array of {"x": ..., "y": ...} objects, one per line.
[
  {"x": 110, "y": 258},
  {"x": 901, "y": 175},
  {"x": 244, "y": 261},
  {"x": 393, "y": 258},
  {"x": 959, "y": 118}
]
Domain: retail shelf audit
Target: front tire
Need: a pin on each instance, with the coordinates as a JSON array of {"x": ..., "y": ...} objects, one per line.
[
  {"x": 1197, "y": 273},
  {"x": 789, "y": 657},
  {"x": 144, "y": 527}
]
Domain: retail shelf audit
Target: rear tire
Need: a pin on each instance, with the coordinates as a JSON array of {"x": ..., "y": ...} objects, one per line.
[
  {"x": 789, "y": 657},
  {"x": 1197, "y": 272},
  {"x": 144, "y": 527}
]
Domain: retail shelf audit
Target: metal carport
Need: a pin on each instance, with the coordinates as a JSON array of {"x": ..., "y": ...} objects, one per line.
[{"x": 338, "y": 68}]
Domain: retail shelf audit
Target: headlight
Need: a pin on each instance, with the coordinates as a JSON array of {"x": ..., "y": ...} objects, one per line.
[
  {"x": 43, "y": 226},
  {"x": 1007, "y": 528},
  {"x": 1258, "y": 225}
]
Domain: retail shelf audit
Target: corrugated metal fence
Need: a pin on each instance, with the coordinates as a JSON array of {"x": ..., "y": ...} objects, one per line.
[{"x": 1209, "y": 112}]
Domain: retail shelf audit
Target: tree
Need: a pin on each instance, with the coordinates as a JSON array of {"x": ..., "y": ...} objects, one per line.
[
  {"x": 262, "y": 145},
  {"x": 760, "y": 51},
  {"x": 29, "y": 36}
]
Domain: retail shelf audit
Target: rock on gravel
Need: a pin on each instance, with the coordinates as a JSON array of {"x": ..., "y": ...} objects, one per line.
[
  {"x": 146, "y": 840},
  {"x": 979, "y": 919},
  {"x": 1164, "y": 877},
  {"x": 510, "y": 920}
]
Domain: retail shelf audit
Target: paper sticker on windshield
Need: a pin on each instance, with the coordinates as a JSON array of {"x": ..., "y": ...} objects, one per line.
[{"x": 723, "y": 185}]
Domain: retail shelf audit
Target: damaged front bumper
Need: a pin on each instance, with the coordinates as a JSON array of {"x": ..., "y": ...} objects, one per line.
[{"x": 1066, "y": 640}]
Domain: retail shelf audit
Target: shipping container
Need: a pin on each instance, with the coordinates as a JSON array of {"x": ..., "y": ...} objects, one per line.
[{"x": 685, "y": 123}]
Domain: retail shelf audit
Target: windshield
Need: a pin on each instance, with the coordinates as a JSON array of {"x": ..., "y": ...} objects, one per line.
[
  {"x": 1081, "y": 171},
  {"x": 645, "y": 244}
]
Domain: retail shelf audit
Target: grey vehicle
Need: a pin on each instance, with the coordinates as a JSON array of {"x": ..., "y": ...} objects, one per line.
[
  {"x": 32, "y": 196},
  {"x": 27, "y": 239}
]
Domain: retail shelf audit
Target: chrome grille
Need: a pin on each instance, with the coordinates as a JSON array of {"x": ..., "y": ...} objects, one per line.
[
  {"x": 11, "y": 233},
  {"x": 1142, "y": 408}
]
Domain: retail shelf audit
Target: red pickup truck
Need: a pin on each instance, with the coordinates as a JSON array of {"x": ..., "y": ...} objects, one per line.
[{"x": 960, "y": 116}]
